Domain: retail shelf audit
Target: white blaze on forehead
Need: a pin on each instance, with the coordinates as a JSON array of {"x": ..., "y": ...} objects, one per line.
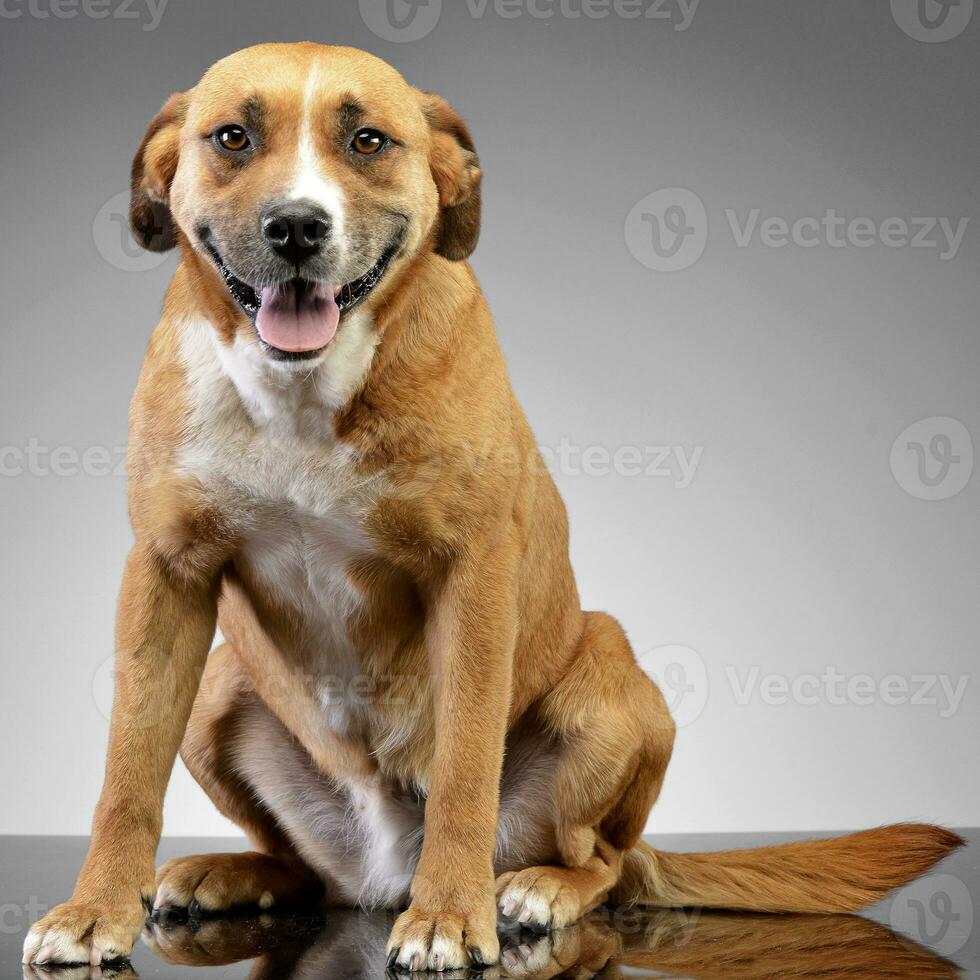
[{"x": 309, "y": 180}]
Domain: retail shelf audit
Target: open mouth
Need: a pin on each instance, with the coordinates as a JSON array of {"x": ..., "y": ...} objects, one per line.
[{"x": 297, "y": 319}]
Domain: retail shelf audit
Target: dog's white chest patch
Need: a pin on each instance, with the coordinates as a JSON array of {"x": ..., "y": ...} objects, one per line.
[{"x": 261, "y": 441}]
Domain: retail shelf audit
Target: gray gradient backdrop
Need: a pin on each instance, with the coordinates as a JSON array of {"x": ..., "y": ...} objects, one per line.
[{"x": 787, "y": 373}]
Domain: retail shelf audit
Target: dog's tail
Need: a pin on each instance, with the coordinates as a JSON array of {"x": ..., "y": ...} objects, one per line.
[{"x": 842, "y": 874}]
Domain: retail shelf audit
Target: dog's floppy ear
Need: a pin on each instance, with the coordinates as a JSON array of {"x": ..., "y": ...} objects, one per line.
[
  {"x": 456, "y": 171},
  {"x": 154, "y": 167}
]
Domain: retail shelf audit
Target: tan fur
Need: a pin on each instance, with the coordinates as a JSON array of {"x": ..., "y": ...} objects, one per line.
[{"x": 386, "y": 518}]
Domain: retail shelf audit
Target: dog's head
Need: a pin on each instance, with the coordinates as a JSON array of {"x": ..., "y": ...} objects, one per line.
[{"x": 305, "y": 175}]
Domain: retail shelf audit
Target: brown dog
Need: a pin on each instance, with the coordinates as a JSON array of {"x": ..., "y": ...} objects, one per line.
[{"x": 327, "y": 459}]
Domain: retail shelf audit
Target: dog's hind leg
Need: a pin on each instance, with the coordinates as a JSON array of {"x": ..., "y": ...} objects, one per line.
[
  {"x": 614, "y": 735},
  {"x": 273, "y": 874}
]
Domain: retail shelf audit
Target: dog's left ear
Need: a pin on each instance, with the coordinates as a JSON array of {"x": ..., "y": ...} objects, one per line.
[
  {"x": 456, "y": 171},
  {"x": 154, "y": 168}
]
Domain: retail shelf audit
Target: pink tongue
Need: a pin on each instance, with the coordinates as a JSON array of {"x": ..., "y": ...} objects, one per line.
[{"x": 298, "y": 316}]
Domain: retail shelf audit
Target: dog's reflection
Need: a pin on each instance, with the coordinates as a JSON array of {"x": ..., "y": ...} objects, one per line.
[
  {"x": 620, "y": 944},
  {"x": 123, "y": 971}
]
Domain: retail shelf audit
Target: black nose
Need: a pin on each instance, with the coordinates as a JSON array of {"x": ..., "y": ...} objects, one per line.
[{"x": 296, "y": 231}]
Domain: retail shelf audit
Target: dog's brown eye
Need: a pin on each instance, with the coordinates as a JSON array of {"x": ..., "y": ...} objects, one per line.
[
  {"x": 369, "y": 141},
  {"x": 233, "y": 138}
]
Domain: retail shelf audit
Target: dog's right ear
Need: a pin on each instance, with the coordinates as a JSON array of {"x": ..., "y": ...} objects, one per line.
[
  {"x": 154, "y": 168},
  {"x": 456, "y": 171}
]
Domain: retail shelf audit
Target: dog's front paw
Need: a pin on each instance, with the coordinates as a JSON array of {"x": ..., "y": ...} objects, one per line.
[
  {"x": 444, "y": 940},
  {"x": 85, "y": 932}
]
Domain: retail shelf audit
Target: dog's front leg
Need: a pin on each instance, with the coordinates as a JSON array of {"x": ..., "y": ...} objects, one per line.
[
  {"x": 165, "y": 627},
  {"x": 470, "y": 633}
]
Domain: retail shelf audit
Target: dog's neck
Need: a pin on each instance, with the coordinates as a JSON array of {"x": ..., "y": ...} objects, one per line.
[
  {"x": 219, "y": 342},
  {"x": 290, "y": 401},
  {"x": 395, "y": 349}
]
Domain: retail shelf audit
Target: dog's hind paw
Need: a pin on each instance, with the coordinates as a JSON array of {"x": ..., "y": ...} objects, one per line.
[{"x": 213, "y": 883}]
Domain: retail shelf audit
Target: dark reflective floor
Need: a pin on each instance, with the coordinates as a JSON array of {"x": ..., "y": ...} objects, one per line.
[{"x": 924, "y": 931}]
